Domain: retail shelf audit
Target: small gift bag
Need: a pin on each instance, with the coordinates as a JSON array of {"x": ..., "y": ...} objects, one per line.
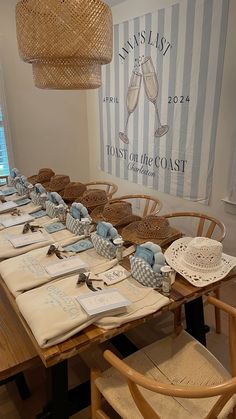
[
  {"x": 143, "y": 273},
  {"x": 51, "y": 209},
  {"x": 103, "y": 246},
  {"x": 73, "y": 224}
]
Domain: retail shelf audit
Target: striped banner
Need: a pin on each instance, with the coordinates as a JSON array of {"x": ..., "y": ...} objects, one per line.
[{"x": 160, "y": 97}]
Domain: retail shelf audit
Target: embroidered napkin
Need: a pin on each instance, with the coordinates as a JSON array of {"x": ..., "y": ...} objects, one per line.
[
  {"x": 144, "y": 301},
  {"x": 8, "y": 251},
  {"x": 27, "y": 271},
  {"x": 53, "y": 312}
]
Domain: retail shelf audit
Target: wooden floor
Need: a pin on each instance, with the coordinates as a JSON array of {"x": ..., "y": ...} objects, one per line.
[{"x": 12, "y": 407}]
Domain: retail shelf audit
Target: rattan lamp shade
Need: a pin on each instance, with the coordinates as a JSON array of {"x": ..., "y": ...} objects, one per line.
[
  {"x": 66, "y": 41},
  {"x": 66, "y": 75}
]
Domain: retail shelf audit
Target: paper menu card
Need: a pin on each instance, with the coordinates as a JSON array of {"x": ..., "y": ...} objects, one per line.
[
  {"x": 21, "y": 240},
  {"x": 66, "y": 266},
  {"x": 114, "y": 275},
  {"x": 16, "y": 220},
  {"x": 8, "y": 191},
  {"x": 7, "y": 206},
  {"x": 103, "y": 302},
  {"x": 22, "y": 201}
]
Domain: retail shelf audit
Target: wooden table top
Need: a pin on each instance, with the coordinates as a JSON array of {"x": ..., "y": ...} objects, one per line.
[{"x": 181, "y": 292}]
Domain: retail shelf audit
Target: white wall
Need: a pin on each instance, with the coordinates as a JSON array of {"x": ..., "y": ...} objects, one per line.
[
  {"x": 49, "y": 128},
  {"x": 226, "y": 132}
]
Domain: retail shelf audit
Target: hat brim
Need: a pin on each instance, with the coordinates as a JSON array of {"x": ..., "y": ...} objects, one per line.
[
  {"x": 174, "y": 258},
  {"x": 130, "y": 233},
  {"x": 97, "y": 216}
]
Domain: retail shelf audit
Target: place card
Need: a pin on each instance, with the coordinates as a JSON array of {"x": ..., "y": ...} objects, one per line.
[
  {"x": 39, "y": 214},
  {"x": 105, "y": 301},
  {"x": 66, "y": 266},
  {"x": 7, "y": 206},
  {"x": 21, "y": 240},
  {"x": 21, "y": 202},
  {"x": 16, "y": 220},
  {"x": 114, "y": 275},
  {"x": 79, "y": 246},
  {"x": 54, "y": 227},
  {"x": 8, "y": 191}
]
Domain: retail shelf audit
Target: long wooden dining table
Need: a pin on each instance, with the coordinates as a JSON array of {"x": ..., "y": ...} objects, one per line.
[{"x": 55, "y": 358}]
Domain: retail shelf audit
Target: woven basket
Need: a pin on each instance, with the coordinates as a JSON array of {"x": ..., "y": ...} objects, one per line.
[
  {"x": 69, "y": 29},
  {"x": 66, "y": 75}
]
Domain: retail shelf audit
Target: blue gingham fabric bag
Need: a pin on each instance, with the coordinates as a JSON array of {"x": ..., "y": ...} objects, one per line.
[
  {"x": 103, "y": 246},
  {"x": 21, "y": 189},
  {"x": 74, "y": 225},
  {"x": 35, "y": 198},
  {"x": 143, "y": 273},
  {"x": 51, "y": 209}
]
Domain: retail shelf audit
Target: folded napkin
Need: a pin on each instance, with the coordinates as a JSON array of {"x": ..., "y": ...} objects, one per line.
[
  {"x": 27, "y": 271},
  {"x": 8, "y": 251},
  {"x": 144, "y": 301},
  {"x": 52, "y": 311},
  {"x": 54, "y": 314},
  {"x": 152, "y": 254},
  {"x": 79, "y": 211}
]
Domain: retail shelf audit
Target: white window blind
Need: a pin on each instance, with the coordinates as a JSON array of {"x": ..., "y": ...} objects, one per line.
[{"x": 5, "y": 138}]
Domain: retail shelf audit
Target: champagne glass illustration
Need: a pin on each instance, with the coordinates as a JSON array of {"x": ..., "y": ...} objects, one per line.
[
  {"x": 131, "y": 101},
  {"x": 152, "y": 89}
]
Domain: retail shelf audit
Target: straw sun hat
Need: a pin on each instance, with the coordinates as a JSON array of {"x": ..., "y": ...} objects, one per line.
[
  {"x": 44, "y": 176},
  {"x": 72, "y": 191},
  {"x": 93, "y": 198},
  {"x": 151, "y": 228},
  {"x": 199, "y": 260},
  {"x": 58, "y": 183},
  {"x": 118, "y": 213}
]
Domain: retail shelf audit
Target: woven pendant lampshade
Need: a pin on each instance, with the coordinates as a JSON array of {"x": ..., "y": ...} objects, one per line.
[
  {"x": 68, "y": 74},
  {"x": 66, "y": 41}
]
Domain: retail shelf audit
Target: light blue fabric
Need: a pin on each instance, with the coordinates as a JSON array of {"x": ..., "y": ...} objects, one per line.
[
  {"x": 145, "y": 254},
  {"x": 39, "y": 188},
  {"x": 56, "y": 199},
  {"x": 14, "y": 172},
  {"x": 158, "y": 257},
  {"x": 106, "y": 230},
  {"x": 79, "y": 211}
]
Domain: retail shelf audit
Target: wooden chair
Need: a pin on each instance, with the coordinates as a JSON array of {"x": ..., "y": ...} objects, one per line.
[
  {"x": 206, "y": 226},
  {"x": 179, "y": 367},
  {"x": 149, "y": 205},
  {"x": 110, "y": 187}
]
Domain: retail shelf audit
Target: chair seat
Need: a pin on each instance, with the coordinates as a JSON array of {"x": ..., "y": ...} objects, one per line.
[{"x": 177, "y": 360}]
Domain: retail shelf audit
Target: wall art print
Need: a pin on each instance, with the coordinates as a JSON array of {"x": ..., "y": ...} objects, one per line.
[{"x": 160, "y": 96}]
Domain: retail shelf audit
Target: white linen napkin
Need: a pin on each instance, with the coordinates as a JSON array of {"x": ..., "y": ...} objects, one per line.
[
  {"x": 8, "y": 251},
  {"x": 27, "y": 271},
  {"x": 144, "y": 300},
  {"x": 54, "y": 314}
]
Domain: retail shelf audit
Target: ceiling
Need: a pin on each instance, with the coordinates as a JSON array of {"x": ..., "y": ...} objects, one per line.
[{"x": 113, "y": 2}]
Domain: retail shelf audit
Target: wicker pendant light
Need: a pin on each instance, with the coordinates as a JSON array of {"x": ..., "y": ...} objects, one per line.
[{"x": 66, "y": 41}]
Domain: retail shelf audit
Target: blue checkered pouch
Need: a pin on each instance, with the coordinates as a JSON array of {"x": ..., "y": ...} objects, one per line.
[
  {"x": 144, "y": 274},
  {"x": 75, "y": 225},
  {"x": 51, "y": 209},
  {"x": 35, "y": 198},
  {"x": 103, "y": 246}
]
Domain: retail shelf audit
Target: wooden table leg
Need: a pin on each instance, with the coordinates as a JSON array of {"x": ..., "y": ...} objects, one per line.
[
  {"x": 57, "y": 393},
  {"x": 194, "y": 315},
  {"x": 59, "y": 389}
]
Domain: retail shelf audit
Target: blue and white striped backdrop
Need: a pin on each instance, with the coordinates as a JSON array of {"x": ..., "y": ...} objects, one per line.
[{"x": 186, "y": 43}]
